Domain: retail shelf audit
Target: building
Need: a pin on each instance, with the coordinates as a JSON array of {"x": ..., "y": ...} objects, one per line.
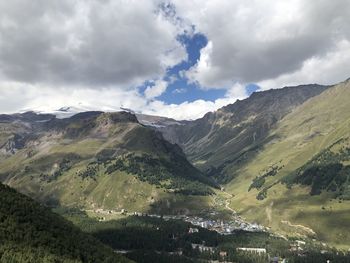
[
  {"x": 297, "y": 246},
  {"x": 193, "y": 230},
  {"x": 300, "y": 243},
  {"x": 253, "y": 250},
  {"x": 223, "y": 254},
  {"x": 202, "y": 248}
]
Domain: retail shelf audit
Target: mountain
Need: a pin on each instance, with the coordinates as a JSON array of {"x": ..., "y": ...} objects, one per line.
[
  {"x": 233, "y": 134},
  {"x": 281, "y": 156},
  {"x": 284, "y": 157},
  {"x": 298, "y": 182},
  {"x": 97, "y": 160},
  {"x": 68, "y": 111},
  {"x": 30, "y": 232},
  {"x": 157, "y": 121}
]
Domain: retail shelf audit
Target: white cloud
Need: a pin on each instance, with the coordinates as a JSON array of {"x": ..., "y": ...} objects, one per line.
[
  {"x": 328, "y": 69},
  {"x": 156, "y": 90},
  {"x": 63, "y": 53},
  {"x": 19, "y": 96},
  {"x": 96, "y": 53},
  {"x": 204, "y": 70},
  {"x": 195, "y": 109},
  {"x": 252, "y": 41},
  {"x": 96, "y": 43},
  {"x": 179, "y": 91}
]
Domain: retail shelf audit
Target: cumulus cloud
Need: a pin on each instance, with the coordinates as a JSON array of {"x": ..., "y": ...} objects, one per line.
[
  {"x": 158, "y": 88},
  {"x": 253, "y": 41},
  {"x": 96, "y": 43},
  {"x": 46, "y": 99},
  {"x": 21, "y": 97},
  {"x": 327, "y": 69},
  {"x": 63, "y": 53},
  {"x": 195, "y": 109}
]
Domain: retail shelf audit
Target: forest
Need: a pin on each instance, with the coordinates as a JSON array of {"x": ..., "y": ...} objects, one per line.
[
  {"x": 30, "y": 232},
  {"x": 326, "y": 171},
  {"x": 171, "y": 175}
]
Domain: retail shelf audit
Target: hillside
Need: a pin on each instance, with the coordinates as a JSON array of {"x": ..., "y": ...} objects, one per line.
[
  {"x": 156, "y": 121},
  {"x": 30, "y": 232},
  {"x": 232, "y": 134},
  {"x": 282, "y": 156},
  {"x": 97, "y": 160},
  {"x": 302, "y": 175}
]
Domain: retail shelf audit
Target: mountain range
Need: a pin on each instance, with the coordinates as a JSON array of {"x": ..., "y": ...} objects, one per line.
[
  {"x": 96, "y": 160},
  {"x": 283, "y": 155},
  {"x": 280, "y": 158}
]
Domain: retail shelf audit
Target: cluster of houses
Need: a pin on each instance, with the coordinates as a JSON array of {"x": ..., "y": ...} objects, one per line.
[
  {"x": 202, "y": 248},
  {"x": 220, "y": 226}
]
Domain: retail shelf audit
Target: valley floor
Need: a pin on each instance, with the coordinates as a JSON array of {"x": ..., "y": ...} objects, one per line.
[{"x": 182, "y": 238}]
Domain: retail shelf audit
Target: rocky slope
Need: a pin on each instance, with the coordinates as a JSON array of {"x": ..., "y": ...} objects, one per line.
[
  {"x": 232, "y": 134},
  {"x": 284, "y": 156},
  {"x": 281, "y": 155}
]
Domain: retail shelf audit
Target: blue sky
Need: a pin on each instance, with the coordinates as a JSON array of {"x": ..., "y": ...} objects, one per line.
[
  {"x": 101, "y": 55},
  {"x": 179, "y": 88}
]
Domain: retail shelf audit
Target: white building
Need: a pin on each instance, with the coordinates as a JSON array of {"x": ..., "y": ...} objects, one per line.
[{"x": 253, "y": 250}]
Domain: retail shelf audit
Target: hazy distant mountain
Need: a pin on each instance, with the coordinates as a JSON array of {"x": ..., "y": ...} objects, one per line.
[{"x": 68, "y": 111}]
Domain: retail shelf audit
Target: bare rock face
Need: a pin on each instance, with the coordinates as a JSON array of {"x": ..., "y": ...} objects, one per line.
[
  {"x": 117, "y": 117},
  {"x": 13, "y": 144}
]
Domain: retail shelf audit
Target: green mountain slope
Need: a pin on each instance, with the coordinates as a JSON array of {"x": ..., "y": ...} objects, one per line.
[
  {"x": 30, "y": 232},
  {"x": 232, "y": 134},
  {"x": 97, "y": 160},
  {"x": 299, "y": 181}
]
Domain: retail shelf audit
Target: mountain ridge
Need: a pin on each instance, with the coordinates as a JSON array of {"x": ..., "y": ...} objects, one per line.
[
  {"x": 223, "y": 136},
  {"x": 301, "y": 176},
  {"x": 262, "y": 150},
  {"x": 77, "y": 160}
]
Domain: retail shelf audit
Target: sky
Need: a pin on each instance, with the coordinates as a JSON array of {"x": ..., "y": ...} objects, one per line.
[{"x": 176, "y": 58}]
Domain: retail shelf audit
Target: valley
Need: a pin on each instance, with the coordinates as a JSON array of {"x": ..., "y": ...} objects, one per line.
[
  {"x": 174, "y": 131},
  {"x": 265, "y": 167},
  {"x": 304, "y": 145},
  {"x": 146, "y": 238}
]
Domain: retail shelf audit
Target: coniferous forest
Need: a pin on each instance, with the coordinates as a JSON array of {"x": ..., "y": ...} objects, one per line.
[{"x": 30, "y": 232}]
